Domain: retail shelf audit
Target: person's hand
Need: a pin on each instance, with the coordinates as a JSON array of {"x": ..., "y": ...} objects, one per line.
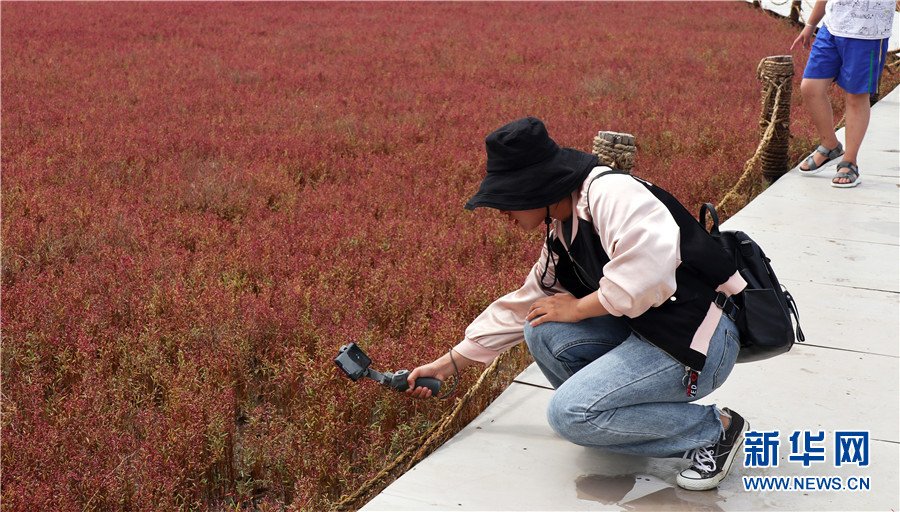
[
  {"x": 561, "y": 307},
  {"x": 440, "y": 369},
  {"x": 428, "y": 370},
  {"x": 805, "y": 38}
]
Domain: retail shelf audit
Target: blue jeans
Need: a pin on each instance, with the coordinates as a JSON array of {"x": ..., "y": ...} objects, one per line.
[{"x": 617, "y": 392}]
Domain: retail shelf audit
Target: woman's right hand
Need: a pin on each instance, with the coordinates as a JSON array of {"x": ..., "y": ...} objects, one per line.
[{"x": 441, "y": 369}]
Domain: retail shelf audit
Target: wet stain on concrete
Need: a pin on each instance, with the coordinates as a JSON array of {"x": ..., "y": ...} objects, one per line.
[
  {"x": 613, "y": 490},
  {"x": 609, "y": 490}
]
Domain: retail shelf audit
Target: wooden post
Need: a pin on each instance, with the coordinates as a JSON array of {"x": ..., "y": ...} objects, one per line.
[
  {"x": 776, "y": 74},
  {"x": 796, "y": 5},
  {"x": 615, "y": 150}
]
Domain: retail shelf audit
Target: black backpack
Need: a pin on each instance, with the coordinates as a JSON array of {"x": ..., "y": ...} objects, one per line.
[{"x": 764, "y": 307}]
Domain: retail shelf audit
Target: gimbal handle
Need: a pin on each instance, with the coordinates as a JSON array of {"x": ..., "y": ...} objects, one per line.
[
  {"x": 398, "y": 381},
  {"x": 431, "y": 383}
]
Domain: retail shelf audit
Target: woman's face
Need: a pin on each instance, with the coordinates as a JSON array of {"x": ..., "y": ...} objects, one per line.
[{"x": 527, "y": 219}]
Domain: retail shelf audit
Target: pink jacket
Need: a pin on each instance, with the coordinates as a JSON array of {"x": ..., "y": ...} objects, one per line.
[{"x": 642, "y": 240}]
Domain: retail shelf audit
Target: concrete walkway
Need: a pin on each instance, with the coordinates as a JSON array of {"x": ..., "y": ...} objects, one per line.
[{"x": 837, "y": 251}]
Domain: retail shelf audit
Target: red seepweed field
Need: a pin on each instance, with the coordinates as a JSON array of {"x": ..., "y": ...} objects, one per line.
[{"x": 201, "y": 202}]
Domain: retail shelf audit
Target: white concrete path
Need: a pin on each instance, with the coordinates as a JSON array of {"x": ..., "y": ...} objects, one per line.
[{"x": 837, "y": 251}]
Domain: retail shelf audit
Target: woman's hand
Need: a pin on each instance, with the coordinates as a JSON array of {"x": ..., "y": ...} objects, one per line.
[
  {"x": 561, "y": 307},
  {"x": 564, "y": 307},
  {"x": 440, "y": 369}
]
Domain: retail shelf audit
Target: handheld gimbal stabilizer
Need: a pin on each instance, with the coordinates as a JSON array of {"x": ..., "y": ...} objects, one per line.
[{"x": 355, "y": 364}]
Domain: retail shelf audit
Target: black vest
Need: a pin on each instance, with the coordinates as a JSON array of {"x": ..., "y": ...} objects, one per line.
[{"x": 671, "y": 325}]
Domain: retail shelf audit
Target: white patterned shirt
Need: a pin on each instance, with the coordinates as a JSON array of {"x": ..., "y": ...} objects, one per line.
[{"x": 860, "y": 19}]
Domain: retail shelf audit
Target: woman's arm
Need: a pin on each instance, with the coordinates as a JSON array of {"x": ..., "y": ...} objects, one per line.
[
  {"x": 643, "y": 242},
  {"x": 496, "y": 329}
]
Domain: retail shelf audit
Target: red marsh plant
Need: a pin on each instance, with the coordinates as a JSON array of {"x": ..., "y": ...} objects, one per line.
[{"x": 202, "y": 202}]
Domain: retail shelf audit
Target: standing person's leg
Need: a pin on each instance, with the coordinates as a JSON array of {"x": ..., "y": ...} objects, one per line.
[
  {"x": 822, "y": 69},
  {"x": 818, "y": 106},
  {"x": 856, "y": 114},
  {"x": 863, "y": 61}
]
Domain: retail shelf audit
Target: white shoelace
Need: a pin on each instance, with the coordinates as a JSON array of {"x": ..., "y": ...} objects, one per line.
[{"x": 701, "y": 456}]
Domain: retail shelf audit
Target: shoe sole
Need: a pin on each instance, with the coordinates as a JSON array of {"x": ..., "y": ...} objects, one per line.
[
  {"x": 712, "y": 483},
  {"x": 817, "y": 170},
  {"x": 847, "y": 185},
  {"x": 821, "y": 167}
]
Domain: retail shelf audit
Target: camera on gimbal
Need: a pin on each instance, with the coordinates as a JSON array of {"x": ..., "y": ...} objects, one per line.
[{"x": 355, "y": 363}]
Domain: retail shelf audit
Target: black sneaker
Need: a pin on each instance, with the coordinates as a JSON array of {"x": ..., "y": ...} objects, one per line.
[{"x": 711, "y": 464}]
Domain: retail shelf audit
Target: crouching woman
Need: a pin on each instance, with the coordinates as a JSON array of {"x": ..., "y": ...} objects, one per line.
[{"x": 627, "y": 311}]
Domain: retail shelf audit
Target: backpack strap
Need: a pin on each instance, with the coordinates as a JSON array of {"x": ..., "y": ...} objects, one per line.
[
  {"x": 714, "y": 231},
  {"x": 604, "y": 173},
  {"x": 727, "y": 305},
  {"x": 792, "y": 306}
]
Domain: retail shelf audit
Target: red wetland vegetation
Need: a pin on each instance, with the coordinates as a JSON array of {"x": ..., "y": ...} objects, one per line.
[{"x": 201, "y": 202}]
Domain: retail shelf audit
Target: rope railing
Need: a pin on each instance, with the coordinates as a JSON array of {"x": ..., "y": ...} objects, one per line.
[{"x": 777, "y": 89}]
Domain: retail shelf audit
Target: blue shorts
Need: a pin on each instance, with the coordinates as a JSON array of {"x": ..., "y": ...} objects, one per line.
[{"x": 855, "y": 64}]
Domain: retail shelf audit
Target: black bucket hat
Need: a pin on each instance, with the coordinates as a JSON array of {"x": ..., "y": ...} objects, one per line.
[{"x": 526, "y": 169}]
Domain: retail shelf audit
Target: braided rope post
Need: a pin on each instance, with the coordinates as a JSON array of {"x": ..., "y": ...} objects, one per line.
[
  {"x": 776, "y": 73},
  {"x": 615, "y": 150},
  {"x": 893, "y": 61},
  {"x": 796, "y": 5}
]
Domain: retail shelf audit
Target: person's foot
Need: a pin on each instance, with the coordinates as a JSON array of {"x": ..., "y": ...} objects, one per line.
[
  {"x": 820, "y": 158},
  {"x": 848, "y": 178},
  {"x": 711, "y": 464}
]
